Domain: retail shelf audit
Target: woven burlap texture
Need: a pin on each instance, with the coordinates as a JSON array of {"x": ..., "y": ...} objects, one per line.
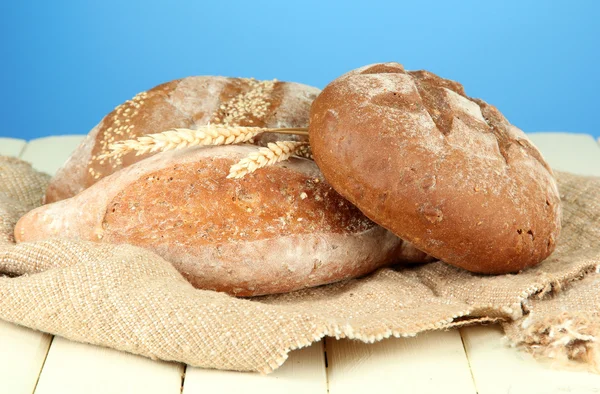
[{"x": 130, "y": 299}]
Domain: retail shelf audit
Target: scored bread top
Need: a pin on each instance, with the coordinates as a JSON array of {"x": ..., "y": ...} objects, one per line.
[
  {"x": 439, "y": 169},
  {"x": 184, "y": 103}
]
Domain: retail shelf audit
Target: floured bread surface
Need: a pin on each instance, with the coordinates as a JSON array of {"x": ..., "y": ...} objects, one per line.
[
  {"x": 278, "y": 229},
  {"x": 442, "y": 170},
  {"x": 185, "y": 103}
]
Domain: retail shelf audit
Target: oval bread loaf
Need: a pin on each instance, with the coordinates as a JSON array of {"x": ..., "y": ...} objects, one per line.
[
  {"x": 275, "y": 230},
  {"x": 441, "y": 170},
  {"x": 184, "y": 103}
]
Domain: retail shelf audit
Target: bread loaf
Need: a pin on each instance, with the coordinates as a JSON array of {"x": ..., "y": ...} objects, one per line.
[
  {"x": 184, "y": 103},
  {"x": 275, "y": 230},
  {"x": 439, "y": 169}
]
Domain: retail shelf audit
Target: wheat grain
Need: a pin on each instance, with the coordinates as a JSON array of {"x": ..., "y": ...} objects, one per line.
[
  {"x": 305, "y": 151},
  {"x": 265, "y": 156}
]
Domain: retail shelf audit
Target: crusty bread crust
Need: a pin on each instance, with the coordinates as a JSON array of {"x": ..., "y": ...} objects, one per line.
[
  {"x": 439, "y": 169},
  {"x": 275, "y": 230},
  {"x": 184, "y": 103}
]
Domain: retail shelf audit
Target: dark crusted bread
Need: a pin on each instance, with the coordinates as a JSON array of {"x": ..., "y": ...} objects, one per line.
[
  {"x": 439, "y": 169},
  {"x": 184, "y": 103}
]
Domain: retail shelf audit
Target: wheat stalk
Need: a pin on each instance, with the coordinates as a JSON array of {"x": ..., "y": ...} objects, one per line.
[
  {"x": 265, "y": 156},
  {"x": 184, "y": 138}
]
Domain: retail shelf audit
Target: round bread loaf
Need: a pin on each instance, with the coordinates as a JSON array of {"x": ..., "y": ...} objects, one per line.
[
  {"x": 439, "y": 169},
  {"x": 275, "y": 230},
  {"x": 184, "y": 103}
]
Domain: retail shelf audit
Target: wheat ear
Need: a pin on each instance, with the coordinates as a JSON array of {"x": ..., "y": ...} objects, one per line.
[
  {"x": 183, "y": 138},
  {"x": 265, "y": 156}
]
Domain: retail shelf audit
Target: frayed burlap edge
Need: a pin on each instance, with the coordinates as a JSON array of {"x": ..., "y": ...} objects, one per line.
[
  {"x": 557, "y": 327},
  {"x": 566, "y": 338}
]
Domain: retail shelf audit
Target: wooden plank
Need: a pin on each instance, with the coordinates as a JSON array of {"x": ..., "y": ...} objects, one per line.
[
  {"x": 431, "y": 362},
  {"x": 498, "y": 369},
  {"x": 22, "y": 351},
  {"x": 79, "y": 368},
  {"x": 577, "y": 153},
  {"x": 22, "y": 354},
  {"x": 11, "y": 146},
  {"x": 303, "y": 372},
  {"x": 49, "y": 154}
]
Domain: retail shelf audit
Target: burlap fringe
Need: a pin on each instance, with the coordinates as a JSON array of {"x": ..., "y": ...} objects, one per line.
[
  {"x": 570, "y": 339},
  {"x": 565, "y": 338}
]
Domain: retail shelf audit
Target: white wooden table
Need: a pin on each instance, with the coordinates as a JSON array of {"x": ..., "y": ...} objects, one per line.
[{"x": 467, "y": 361}]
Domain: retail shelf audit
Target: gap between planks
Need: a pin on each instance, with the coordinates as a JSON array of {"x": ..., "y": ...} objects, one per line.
[
  {"x": 303, "y": 372},
  {"x": 48, "y": 154},
  {"x": 499, "y": 369},
  {"x": 22, "y": 355},
  {"x": 11, "y": 146},
  {"x": 424, "y": 364},
  {"x": 71, "y": 366}
]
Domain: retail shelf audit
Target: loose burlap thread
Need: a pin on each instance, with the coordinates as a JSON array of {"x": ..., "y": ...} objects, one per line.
[{"x": 130, "y": 299}]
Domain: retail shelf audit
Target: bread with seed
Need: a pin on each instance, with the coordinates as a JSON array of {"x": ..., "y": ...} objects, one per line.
[
  {"x": 184, "y": 103},
  {"x": 440, "y": 169},
  {"x": 275, "y": 230}
]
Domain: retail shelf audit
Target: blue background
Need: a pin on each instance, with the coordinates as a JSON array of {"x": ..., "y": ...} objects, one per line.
[{"x": 65, "y": 64}]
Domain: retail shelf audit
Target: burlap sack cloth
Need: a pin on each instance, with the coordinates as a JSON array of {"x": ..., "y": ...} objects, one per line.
[{"x": 130, "y": 299}]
